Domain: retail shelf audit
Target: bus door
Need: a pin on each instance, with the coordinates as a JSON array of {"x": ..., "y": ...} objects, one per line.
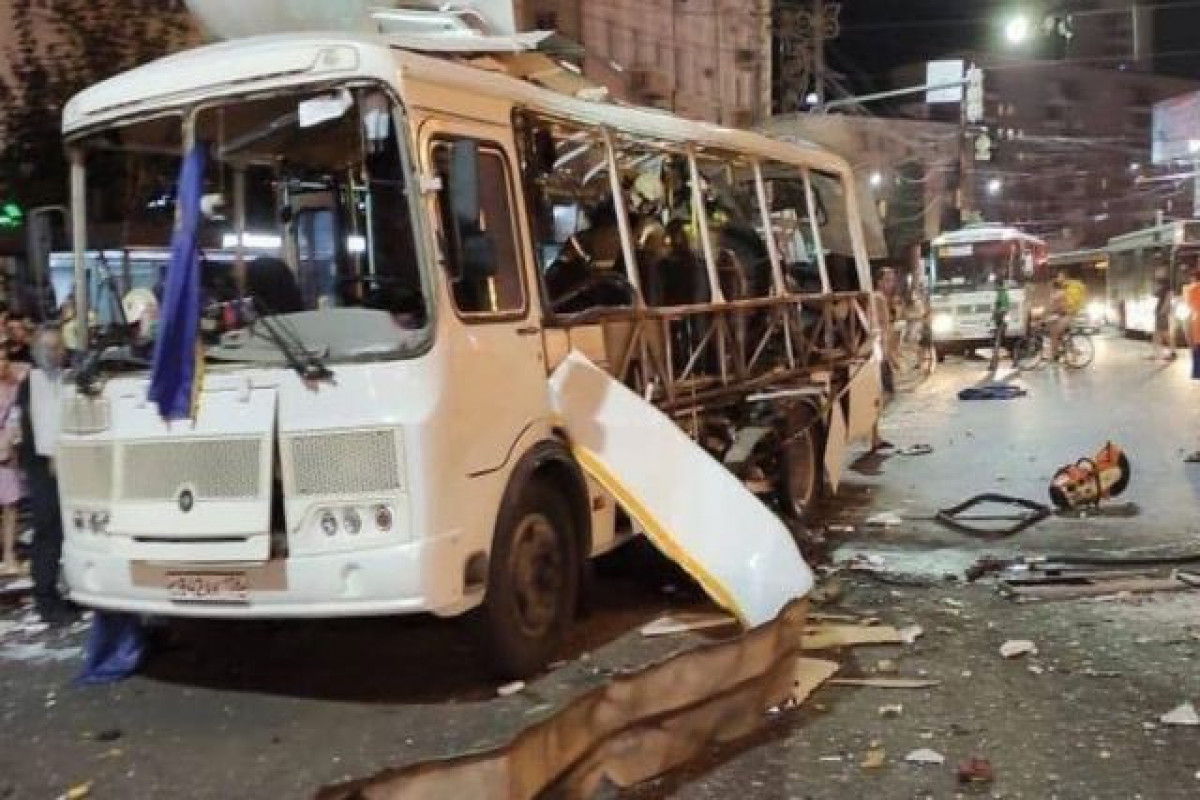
[{"x": 497, "y": 362}]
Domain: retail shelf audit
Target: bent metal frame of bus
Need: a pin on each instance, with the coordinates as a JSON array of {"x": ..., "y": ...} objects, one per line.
[{"x": 445, "y": 232}]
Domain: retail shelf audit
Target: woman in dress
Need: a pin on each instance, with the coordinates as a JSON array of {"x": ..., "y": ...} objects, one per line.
[{"x": 10, "y": 476}]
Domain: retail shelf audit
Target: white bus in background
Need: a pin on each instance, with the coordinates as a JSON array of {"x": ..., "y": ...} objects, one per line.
[
  {"x": 1172, "y": 248},
  {"x": 965, "y": 268},
  {"x": 447, "y": 233}
]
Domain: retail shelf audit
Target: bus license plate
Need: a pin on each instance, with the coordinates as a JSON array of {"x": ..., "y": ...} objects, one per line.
[{"x": 209, "y": 587}]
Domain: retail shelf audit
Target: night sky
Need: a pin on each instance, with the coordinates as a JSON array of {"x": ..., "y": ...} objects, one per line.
[{"x": 879, "y": 35}]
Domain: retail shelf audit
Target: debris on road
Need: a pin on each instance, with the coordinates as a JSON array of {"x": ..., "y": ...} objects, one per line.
[
  {"x": 14, "y": 591},
  {"x": 992, "y": 391},
  {"x": 810, "y": 674},
  {"x": 925, "y": 756},
  {"x": 976, "y": 770},
  {"x": 891, "y": 711},
  {"x": 886, "y": 683},
  {"x": 885, "y": 519},
  {"x": 671, "y": 624},
  {"x": 1090, "y": 480},
  {"x": 956, "y": 519},
  {"x": 820, "y": 616},
  {"x": 38, "y": 652},
  {"x": 826, "y": 592},
  {"x": 79, "y": 791},
  {"x": 1078, "y": 586},
  {"x": 875, "y": 758},
  {"x": 825, "y": 637},
  {"x": 509, "y": 689},
  {"x": 910, "y": 634},
  {"x": 915, "y": 450},
  {"x": 1183, "y": 715},
  {"x": 632, "y": 728},
  {"x": 1015, "y": 648}
]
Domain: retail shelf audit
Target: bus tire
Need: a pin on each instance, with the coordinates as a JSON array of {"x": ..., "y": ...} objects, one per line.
[
  {"x": 800, "y": 468},
  {"x": 533, "y": 581}
]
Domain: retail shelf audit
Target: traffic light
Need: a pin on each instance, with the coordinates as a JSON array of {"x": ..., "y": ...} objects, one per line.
[
  {"x": 12, "y": 216},
  {"x": 974, "y": 95}
]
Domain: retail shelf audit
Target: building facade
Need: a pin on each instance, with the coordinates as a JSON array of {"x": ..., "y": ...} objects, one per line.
[
  {"x": 1114, "y": 33},
  {"x": 704, "y": 59},
  {"x": 1070, "y": 155}
]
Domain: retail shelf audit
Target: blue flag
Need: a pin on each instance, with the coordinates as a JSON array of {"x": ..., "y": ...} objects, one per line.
[{"x": 173, "y": 374}]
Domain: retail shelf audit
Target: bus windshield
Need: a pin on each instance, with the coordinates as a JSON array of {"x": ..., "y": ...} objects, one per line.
[
  {"x": 305, "y": 214},
  {"x": 972, "y": 267}
]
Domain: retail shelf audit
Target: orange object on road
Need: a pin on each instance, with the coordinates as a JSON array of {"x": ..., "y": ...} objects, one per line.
[{"x": 1090, "y": 480}]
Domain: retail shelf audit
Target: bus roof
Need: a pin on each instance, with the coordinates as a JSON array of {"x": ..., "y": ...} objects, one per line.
[
  {"x": 983, "y": 233},
  {"x": 263, "y": 63}
]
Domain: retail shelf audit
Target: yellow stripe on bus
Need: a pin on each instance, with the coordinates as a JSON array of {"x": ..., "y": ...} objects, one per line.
[{"x": 657, "y": 530}]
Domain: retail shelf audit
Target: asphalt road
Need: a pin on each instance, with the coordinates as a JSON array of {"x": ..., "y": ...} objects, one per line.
[
  {"x": 274, "y": 710},
  {"x": 1081, "y": 719}
]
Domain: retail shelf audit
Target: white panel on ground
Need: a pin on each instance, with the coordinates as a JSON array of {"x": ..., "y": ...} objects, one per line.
[{"x": 690, "y": 506}]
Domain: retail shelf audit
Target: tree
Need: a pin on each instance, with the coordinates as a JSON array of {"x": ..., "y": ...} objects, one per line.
[{"x": 62, "y": 47}]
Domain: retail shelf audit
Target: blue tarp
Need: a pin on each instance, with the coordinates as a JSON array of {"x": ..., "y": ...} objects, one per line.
[{"x": 114, "y": 650}]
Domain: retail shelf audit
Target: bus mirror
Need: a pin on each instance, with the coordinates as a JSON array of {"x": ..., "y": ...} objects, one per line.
[{"x": 464, "y": 184}]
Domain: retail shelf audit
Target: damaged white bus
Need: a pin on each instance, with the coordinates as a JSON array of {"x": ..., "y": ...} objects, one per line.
[{"x": 404, "y": 234}]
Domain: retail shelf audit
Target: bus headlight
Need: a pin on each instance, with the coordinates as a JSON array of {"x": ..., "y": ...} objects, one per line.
[{"x": 943, "y": 323}]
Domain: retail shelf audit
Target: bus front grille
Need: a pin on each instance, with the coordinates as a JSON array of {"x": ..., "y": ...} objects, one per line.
[{"x": 224, "y": 469}]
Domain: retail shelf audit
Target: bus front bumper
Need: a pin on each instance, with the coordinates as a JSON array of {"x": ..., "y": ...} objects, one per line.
[{"x": 416, "y": 577}]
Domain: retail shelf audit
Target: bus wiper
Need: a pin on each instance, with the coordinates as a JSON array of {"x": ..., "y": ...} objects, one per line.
[{"x": 305, "y": 363}]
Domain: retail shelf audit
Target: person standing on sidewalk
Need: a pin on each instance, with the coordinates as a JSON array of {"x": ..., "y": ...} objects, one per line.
[{"x": 38, "y": 400}]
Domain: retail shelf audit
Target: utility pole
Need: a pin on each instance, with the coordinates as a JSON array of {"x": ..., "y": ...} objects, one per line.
[{"x": 818, "y": 46}]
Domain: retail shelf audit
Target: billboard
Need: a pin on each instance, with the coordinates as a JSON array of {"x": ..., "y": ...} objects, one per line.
[{"x": 1175, "y": 131}]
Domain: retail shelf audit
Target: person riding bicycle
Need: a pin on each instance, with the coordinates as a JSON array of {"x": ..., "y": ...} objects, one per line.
[
  {"x": 1058, "y": 315},
  {"x": 1076, "y": 294}
]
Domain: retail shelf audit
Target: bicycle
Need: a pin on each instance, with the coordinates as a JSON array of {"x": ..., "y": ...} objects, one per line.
[{"x": 1076, "y": 349}]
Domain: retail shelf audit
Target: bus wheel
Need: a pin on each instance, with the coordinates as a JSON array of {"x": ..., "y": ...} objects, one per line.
[
  {"x": 533, "y": 582},
  {"x": 799, "y": 467}
]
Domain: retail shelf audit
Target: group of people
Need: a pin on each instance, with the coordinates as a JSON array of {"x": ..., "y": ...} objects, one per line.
[{"x": 31, "y": 361}]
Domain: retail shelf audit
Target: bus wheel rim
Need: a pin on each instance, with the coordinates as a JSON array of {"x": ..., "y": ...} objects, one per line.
[{"x": 536, "y": 564}]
